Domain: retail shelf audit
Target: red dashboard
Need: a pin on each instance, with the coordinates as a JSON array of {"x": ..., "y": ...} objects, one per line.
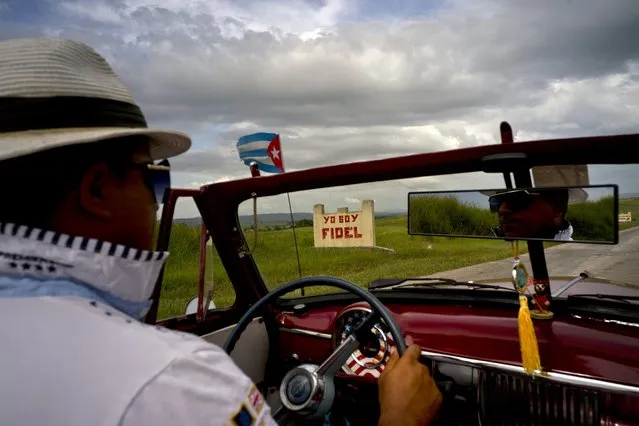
[
  {"x": 599, "y": 348},
  {"x": 591, "y": 372}
]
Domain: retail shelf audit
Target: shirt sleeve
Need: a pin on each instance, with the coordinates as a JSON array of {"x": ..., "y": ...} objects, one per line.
[{"x": 202, "y": 388}]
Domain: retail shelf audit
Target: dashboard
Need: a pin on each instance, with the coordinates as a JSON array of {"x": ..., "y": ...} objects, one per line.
[{"x": 474, "y": 356}]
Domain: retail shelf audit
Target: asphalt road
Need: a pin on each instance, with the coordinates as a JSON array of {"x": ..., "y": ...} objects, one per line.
[{"x": 615, "y": 262}]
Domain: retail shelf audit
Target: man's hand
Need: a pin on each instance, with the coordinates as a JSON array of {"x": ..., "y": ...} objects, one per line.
[{"x": 408, "y": 395}]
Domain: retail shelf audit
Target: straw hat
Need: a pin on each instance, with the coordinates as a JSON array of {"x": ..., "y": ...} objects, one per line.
[
  {"x": 56, "y": 92},
  {"x": 558, "y": 176}
]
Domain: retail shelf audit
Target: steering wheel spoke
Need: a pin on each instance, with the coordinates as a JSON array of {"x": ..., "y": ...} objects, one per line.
[
  {"x": 336, "y": 360},
  {"x": 282, "y": 416}
]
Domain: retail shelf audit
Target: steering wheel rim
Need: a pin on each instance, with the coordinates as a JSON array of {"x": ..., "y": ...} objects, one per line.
[
  {"x": 373, "y": 301},
  {"x": 311, "y": 379}
]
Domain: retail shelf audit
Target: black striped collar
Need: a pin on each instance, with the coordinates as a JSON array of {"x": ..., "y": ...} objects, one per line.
[{"x": 125, "y": 272}]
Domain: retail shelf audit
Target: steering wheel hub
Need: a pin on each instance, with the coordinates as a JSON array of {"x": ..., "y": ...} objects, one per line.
[
  {"x": 299, "y": 389},
  {"x": 305, "y": 392}
]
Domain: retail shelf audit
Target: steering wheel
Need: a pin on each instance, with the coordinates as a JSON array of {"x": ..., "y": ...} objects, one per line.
[{"x": 308, "y": 390}]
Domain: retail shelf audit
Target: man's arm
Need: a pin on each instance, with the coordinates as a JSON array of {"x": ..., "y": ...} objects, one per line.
[{"x": 202, "y": 388}]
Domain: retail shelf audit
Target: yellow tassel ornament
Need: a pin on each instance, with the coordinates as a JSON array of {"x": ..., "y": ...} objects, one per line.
[{"x": 527, "y": 338}]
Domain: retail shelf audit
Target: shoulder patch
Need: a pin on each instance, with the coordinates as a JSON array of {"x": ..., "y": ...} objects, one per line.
[
  {"x": 256, "y": 400},
  {"x": 243, "y": 417}
]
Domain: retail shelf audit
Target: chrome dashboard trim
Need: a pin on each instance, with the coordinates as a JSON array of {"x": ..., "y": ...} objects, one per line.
[
  {"x": 549, "y": 376},
  {"x": 306, "y": 332},
  {"x": 351, "y": 309}
]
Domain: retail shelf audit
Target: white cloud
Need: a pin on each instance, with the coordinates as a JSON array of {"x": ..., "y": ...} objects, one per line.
[{"x": 342, "y": 87}]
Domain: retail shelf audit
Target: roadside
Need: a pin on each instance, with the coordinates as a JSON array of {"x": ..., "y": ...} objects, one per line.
[{"x": 616, "y": 262}]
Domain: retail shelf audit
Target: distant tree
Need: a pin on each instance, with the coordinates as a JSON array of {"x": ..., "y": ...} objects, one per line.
[{"x": 304, "y": 223}]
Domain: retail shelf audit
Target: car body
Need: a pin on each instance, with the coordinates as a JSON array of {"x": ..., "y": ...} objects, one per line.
[{"x": 589, "y": 348}]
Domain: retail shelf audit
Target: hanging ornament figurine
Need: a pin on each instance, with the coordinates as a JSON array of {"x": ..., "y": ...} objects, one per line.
[
  {"x": 541, "y": 300},
  {"x": 527, "y": 338}
]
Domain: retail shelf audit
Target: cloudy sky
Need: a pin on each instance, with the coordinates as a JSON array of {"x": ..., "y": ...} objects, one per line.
[{"x": 347, "y": 80}]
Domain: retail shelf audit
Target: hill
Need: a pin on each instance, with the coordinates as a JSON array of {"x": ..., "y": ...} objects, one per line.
[{"x": 271, "y": 219}]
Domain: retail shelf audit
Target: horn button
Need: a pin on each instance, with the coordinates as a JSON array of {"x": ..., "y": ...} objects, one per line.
[
  {"x": 299, "y": 389},
  {"x": 306, "y": 392}
]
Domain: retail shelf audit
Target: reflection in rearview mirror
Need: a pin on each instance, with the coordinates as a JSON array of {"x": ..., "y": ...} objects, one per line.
[{"x": 584, "y": 214}]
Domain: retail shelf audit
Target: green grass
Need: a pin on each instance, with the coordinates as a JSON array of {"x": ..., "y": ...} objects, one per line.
[{"x": 275, "y": 256}]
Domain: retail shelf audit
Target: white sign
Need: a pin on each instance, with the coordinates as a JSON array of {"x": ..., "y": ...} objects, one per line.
[
  {"x": 625, "y": 217},
  {"x": 344, "y": 228}
]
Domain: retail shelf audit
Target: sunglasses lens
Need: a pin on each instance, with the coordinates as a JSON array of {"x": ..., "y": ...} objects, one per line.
[
  {"x": 516, "y": 201},
  {"x": 160, "y": 181}
]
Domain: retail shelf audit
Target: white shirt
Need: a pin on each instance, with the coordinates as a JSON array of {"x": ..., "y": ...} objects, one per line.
[
  {"x": 565, "y": 234},
  {"x": 67, "y": 360}
]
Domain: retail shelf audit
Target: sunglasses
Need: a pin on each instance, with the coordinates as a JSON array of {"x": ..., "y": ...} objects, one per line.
[
  {"x": 517, "y": 200},
  {"x": 157, "y": 178}
]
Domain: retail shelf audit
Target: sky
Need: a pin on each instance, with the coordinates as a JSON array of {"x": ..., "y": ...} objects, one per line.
[{"x": 351, "y": 80}]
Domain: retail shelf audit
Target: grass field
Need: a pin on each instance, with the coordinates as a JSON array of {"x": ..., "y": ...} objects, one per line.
[{"x": 276, "y": 258}]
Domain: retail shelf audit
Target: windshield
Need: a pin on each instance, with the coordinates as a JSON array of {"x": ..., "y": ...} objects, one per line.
[{"x": 361, "y": 234}]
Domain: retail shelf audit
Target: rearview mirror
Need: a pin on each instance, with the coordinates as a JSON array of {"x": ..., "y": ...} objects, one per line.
[{"x": 583, "y": 214}]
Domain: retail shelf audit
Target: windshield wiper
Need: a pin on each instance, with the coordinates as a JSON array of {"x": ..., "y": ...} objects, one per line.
[
  {"x": 390, "y": 282},
  {"x": 624, "y": 299},
  {"x": 430, "y": 282}
]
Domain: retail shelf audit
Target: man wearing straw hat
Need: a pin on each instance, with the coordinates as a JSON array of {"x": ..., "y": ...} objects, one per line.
[
  {"x": 540, "y": 213},
  {"x": 80, "y": 187}
]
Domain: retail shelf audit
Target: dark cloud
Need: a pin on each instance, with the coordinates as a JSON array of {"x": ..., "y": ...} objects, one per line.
[{"x": 557, "y": 39}]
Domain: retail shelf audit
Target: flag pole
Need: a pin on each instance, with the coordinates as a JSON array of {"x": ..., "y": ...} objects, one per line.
[
  {"x": 276, "y": 152},
  {"x": 255, "y": 172}
]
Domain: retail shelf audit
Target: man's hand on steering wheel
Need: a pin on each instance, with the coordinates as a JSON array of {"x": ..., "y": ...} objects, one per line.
[{"x": 408, "y": 394}]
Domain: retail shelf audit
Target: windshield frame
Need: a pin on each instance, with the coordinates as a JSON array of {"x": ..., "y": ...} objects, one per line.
[{"x": 219, "y": 202}]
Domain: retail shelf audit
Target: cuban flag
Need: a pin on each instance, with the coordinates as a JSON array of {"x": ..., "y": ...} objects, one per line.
[{"x": 264, "y": 149}]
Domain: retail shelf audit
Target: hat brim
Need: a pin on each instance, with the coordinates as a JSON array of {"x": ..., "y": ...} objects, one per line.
[
  {"x": 163, "y": 143},
  {"x": 575, "y": 195}
]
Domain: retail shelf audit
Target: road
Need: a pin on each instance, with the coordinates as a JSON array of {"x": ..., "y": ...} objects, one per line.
[{"x": 615, "y": 262}]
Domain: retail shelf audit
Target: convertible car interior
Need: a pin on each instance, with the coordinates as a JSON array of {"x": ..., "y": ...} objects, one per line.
[{"x": 317, "y": 355}]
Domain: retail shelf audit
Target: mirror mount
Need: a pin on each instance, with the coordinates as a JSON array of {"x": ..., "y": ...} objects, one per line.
[
  {"x": 536, "y": 250},
  {"x": 509, "y": 162}
]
